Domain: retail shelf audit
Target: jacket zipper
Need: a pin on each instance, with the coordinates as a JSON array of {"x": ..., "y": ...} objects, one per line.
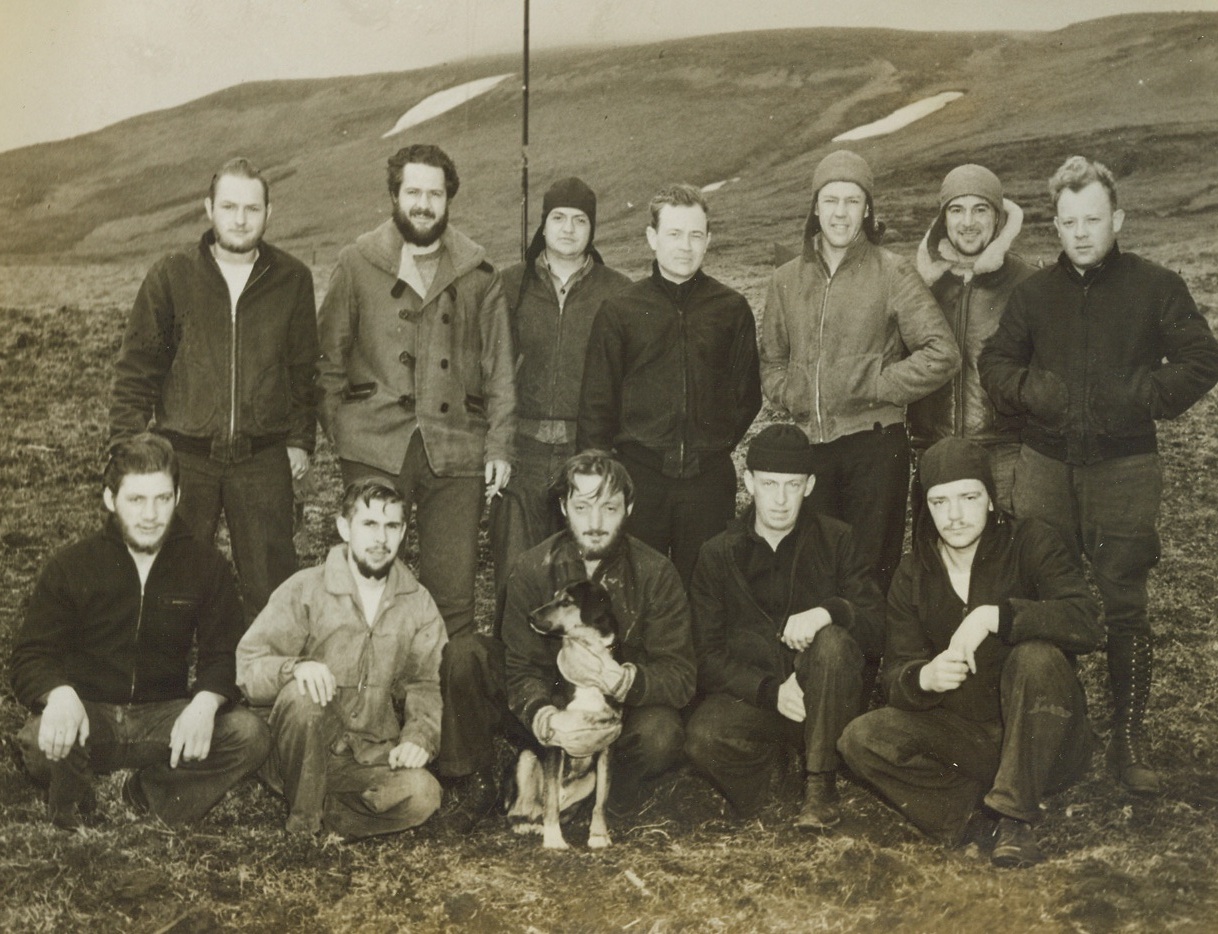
[
  {"x": 684, "y": 386},
  {"x": 232, "y": 361},
  {"x": 139, "y": 623},
  {"x": 820, "y": 354},
  {"x": 958, "y": 379},
  {"x": 557, "y": 347}
]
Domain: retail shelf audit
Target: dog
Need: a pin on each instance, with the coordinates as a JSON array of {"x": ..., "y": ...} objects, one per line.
[{"x": 579, "y": 613}]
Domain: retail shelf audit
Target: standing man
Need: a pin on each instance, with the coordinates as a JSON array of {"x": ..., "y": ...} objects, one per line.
[
  {"x": 221, "y": 352},
  {"x": 783, "y": 614},
  {"x": 553, "y": 297},
  {"x": 1091, "y": 351},
  {"x": 671, "y": 384},
  {"x": 106, "y": 649},
  {"x": 655, "y": 678},
  {"x": 416, "y": 376},
  {"x": 849, "y": 338},
  {"x": 986, "y": 714},
  {"x": 334, "y": 649},
  {"x": 966, "y": 261}
]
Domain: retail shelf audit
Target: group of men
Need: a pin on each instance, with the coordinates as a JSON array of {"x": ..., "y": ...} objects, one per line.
[{"x": 598, "y": 417}]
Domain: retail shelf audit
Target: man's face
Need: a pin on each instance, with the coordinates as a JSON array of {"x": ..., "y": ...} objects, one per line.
[
  {"x": 971, "y": 222},
  {"x": 596, "y": 520},
  {"x": 679, "y": 239},
  {"x": 238, "y": 213},
  {"x": 373, "y": 534},
  {"x": 1087, "y": 225},
  {"x": 567, "y": 232},
  {"x": 420, "y": 209},
  {"x": 841, "y": 207},
  {"x": 960, "y": 510},
  {"x": 777, "y": 498},
  {"x": 143, "y": 506}
]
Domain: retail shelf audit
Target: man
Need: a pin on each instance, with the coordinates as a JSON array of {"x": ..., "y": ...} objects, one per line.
[
  {"x": 783, "y": 614},
  {"x": 671, "y": 384},
  {"x": 985, "y": 711},
  {"x": 966, "y": 261},
  {"x": 553, "y": 298},
  {"x": 104, "y": 656},
  {"x": 1091, "y": 351},
  {"x": 334, "y": 649},
  {"x": 655, "y": 677},
  {"x": 221, "y": 350},
  {"x": 416, "y": 374},
  {"x": 849, "y": 338}
]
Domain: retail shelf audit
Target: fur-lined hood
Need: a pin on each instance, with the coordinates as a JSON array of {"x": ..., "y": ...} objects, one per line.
[{"x": 931, "y": 267}]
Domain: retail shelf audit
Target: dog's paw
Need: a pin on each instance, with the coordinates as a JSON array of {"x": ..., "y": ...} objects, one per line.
[
  {"x": 527, "y": 828},
  {"x": 554, "y": 841},
  {"x": 598, "y": 841}
]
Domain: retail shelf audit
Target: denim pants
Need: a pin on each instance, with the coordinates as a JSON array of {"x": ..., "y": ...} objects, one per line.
[
  {"x": 258, "y": 504},
  {"x": 136, "y": 736},
  {"x": 935, "y": 766}
]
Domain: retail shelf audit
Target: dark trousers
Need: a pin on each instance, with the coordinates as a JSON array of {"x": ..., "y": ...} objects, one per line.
[
  {"x": 259, "y": 507},
  {"x": 935, "y": 766},
  {"x": 447, "y": 511},
  {"x": 136, "y": 736},
  {"x": 652, "y": 743},
  {"x": 675, "y": 516},
  {"x": 738, "y": 744},
  {"x": 327, "y": 787}
]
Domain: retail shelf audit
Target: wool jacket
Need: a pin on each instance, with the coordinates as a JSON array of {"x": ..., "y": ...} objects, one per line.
[
  {"x": 1023, "y": 568},
  {"x": 316, "y": 615},
  {"x": 91, "y": 625},
  {"x": 221, "y": 382},
  {"x": 738, "y": 644},
  {"x": 393, "y": 362},
  {"x": 1092, "y": 360},
  {"x": 845, "y": 352},
  {"x": 650, "y": 608},
  {"x": 671, "y": 374}
]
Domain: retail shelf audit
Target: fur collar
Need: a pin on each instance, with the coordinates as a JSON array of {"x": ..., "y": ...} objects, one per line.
[{"x": 990, "y": 259}]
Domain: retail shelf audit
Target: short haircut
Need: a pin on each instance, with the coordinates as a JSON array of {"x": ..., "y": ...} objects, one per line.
[
  {"x": 368, "y": 490},
  {"x": 423, "y": 154},
  {"x": 145, "y": 453},
  {"x": 1076, "y": 173},
  {"x": 595, "y": 463},
  {"x": 240, "y": 168},
  {"x": 677, "y": 196}
]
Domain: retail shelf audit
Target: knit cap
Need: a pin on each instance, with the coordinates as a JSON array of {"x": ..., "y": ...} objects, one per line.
[
  {"x": 843, "y": 166},
  {"x": 971, "y": 179},
  {"x": 570, "y": 193},
  {"x": 780, "y": 449},
  {"x": 951, "y": 459}
]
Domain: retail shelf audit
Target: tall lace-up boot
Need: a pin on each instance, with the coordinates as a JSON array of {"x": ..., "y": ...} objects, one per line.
[{"x": 1130, "y": 664}]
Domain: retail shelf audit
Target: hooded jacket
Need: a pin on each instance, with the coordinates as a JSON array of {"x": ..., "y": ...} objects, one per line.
[
  {"x": 1092, "y": 360},
  {"x": 393, "y": 363},
  {"x": 844, "y": 352}
]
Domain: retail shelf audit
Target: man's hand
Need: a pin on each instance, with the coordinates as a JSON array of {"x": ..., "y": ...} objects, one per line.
[
  {"x": 408, "y": 756},
  {"x": 945, "y": 672},
  {"x": 586, "y": 667},
  {"x": 316, "y": 680},
  {"x": 190, "y": 738},
  {"x": 971, "y": 632},
  {"x": 802, "y": 628},
  {"x": 298, "y": 459},
  {"x": 791, "y": 700},
  {"x": 578, "y": 732},
  {"x": 497, "y": 474},
  {"x": 64, "y": 722}
]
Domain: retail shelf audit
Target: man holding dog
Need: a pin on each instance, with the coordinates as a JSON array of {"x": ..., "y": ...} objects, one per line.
[
  {"x": 105, "y": 654},
  {"x": 329, "y": 655},
  {"x": 654, "y": 678},
  {"x": 784, "y": 611}
]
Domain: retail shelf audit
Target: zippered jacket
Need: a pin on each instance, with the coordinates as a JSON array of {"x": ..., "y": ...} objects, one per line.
[
  {"x": 90, "y": 624},
  {"x": 670, "y": 382},
  {"x": 1092, "y": 360},
  {"x": 224, "y": 383},
  {"x": 845, "y": 352}
]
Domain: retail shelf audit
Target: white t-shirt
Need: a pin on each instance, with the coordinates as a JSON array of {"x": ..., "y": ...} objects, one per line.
[{"x": 236, "y": 275}]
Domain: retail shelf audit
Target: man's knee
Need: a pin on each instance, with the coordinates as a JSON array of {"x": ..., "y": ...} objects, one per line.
[
  {"x": 471, "y": 659},
  {"x": 244, "y": 733},
  {"x": 295, "y": 709},
  {"x": 865, "y": 735},
  {"x": 655, "y": 738},
  {"x": 1036, "y": 661},
  {"x": 703, "y": 738},
  {"x": 35, "y": 761},
  {"x": 833, "y": 649}
]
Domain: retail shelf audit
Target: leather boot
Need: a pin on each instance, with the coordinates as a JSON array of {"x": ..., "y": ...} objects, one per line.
[
  {"x": 477, "y": 798},
  {"x": 1130, "y": 665},
  {"x": 820, "y": 809}
]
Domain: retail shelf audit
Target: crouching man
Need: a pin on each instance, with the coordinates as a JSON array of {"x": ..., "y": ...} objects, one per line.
[
  {"x": 986, "y": 715},
  {"x": 784, "y": 610},
  {"x": 335, "y": 647},
  {"x": 105, "y": 652}
]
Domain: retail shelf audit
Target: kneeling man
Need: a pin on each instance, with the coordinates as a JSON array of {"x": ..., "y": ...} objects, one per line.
[
  {"x": 784, "y": 610},
  {"x": 335, "y": 647},
  {"x": 986, "y": 713}
]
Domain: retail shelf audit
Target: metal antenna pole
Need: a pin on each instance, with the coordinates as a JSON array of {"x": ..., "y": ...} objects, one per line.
[{"x": 524, "y": 143}]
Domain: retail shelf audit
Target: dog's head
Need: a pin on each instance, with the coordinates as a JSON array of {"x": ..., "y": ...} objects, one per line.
[{"x": 581, "y": 611}]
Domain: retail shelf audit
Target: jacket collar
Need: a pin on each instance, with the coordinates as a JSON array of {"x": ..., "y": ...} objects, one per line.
[
  {"x": 1095, "y": 272},
  {"x": 264, "y": 259},
  {"x": 679, "y": 292},
  {"x": 339, "y": 580},
  {"x": 382, "y": 247},
  {"x": 859, "y": 248}
]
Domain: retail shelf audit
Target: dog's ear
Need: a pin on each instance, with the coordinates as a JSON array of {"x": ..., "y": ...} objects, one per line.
[{"x": 595, "y": 607}]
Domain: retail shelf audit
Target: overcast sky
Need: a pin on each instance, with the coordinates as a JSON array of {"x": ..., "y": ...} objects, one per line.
[{"x": 71, "y": 66}]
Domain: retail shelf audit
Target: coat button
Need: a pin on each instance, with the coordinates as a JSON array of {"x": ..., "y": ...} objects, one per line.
[
  {"x": 443, "y": 406},
  {"x": 446, "y": 317},
  {"x": 405, "y": 358},
  {"x": 443, "y": 364},
  {"x": 404, "y": 313}
]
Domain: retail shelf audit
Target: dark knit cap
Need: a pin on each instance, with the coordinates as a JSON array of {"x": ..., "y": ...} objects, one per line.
[
  {"x": 780, "y": 449},
  {"x": 843, "y": 166},
  {"x": 970, "y": 179},
  {"x": 570, "y": 193},
  {"x": 952, "y": 459}
]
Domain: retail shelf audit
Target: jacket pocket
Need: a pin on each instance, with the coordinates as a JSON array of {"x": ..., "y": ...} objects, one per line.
[
  {"x": 851, "y": 384},
  {"x": 796, "y": 396},
  {"x": 357, "y": 392},
  {"x": 174, "y": 623},
  {"x": 1046, "y": 397},
  {"x": 1121, "y": 402}
]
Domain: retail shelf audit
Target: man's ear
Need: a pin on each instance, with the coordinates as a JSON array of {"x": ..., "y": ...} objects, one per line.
[
  {"x": 207, "y": 207},
  {"x": 562, "y": 504},
  {"x": 344, "y": 528},
  {"x": 750, "y": 485},
  {"x": 809, "y": 485},
  {"x": 652, "y": 238},
  {"x": 1118, "y": 220},
  {"x": 108, "y": 499}
]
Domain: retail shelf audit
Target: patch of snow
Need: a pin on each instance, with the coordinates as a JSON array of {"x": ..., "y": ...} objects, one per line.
[
  {"x": 899, "y": 119},
  {"x": 444, "y": 101},
  {"x": 715, "y": 186}
]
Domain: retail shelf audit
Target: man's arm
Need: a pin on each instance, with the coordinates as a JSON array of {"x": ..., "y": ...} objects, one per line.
[
  {"x": 49, "y": 631},
  {"x": 529, "y": 661},
  {"x": 301, "y": 358},
  {"x": 419, "y": 684},
  {"x": 271, "y": 648},
  {"x": 145, "y": 356},
  {"x": 1005, "y": 357},
  {"x": 774, "y": 344},
  {"x": 335, "y": 333},
  {"x": 1190, "y": 350},
  {"x": 667, "y": 671},
  {"x": 219, "y": 625},
  {"x": 859, "y": 606},
  {"x": 746, "y": 374},
  {"x": 600, "y": 396},
  {"x": 906, "y": 648},
  {"x": 933, "y": 353},
  {"x": 498, "y": 373}
]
